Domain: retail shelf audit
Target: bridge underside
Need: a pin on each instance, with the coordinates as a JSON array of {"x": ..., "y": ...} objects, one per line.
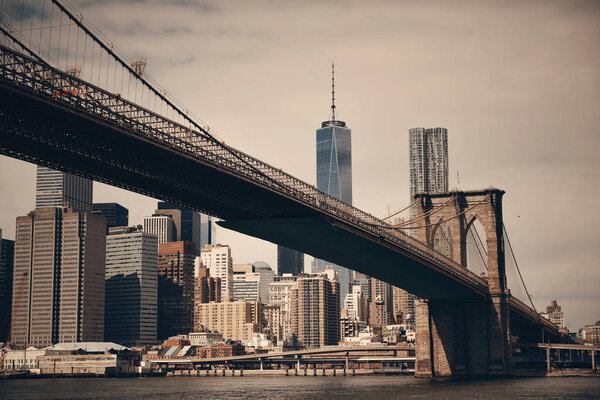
[
  {"x": 40, "y": 131},
  {"x": 321, "y": 239}
]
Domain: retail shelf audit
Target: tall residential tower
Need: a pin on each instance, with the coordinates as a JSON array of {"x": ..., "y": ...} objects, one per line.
[{"x": 428, "y": 156}]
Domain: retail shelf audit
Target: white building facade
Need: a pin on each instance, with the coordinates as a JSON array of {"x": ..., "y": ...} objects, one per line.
[
  {"x": 218, "y": 260},
  {"x": 162, "y": 226}
]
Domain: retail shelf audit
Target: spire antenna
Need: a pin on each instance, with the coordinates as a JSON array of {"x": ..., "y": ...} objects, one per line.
[{"x": 332, "y": 91}]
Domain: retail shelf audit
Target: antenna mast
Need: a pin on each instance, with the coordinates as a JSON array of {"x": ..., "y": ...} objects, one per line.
[{"x": 332, "y": 92}]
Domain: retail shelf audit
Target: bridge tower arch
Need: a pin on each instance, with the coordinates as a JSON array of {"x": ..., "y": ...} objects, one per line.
[{"x": 464, "y": 336}]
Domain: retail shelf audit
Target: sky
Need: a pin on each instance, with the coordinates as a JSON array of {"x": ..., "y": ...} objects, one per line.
[{"x": 517, "y": 85}]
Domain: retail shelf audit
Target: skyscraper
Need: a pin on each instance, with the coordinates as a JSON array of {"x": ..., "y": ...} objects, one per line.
[
  {"x": 131, "y": 286},
  {"x": 58, "y": 189},
  {"x": 428, "y": 157},
  {"x": 114, "y": 213},
  {"x": 315, "y": 309},
  {"x": 289, "y": 261},
  {"x": 334, "y": 173},
  {"x": 61, "y": 253},
  {"x": 6, "y": 280},
  {"x": 175, "y": 288},
  {"x": 162, "y": 226},
  {"x": 191, "y": 225}
]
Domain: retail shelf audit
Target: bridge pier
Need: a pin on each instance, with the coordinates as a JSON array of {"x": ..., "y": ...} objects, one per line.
[
  {"x": 457, "y": 336},
  {"x": 461, "y": 337}
]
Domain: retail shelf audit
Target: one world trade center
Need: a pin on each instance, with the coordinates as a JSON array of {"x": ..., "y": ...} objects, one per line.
[{"x": 334, "y": 173}]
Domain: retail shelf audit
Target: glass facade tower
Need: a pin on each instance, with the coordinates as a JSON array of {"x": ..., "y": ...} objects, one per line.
[{"x": 334, "y": 174}]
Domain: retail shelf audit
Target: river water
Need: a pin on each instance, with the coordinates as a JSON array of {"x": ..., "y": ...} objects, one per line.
[{"x": 282, "y": 387}]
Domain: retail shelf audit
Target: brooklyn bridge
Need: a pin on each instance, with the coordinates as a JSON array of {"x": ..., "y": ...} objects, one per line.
[{"x": 70, "y": 100}]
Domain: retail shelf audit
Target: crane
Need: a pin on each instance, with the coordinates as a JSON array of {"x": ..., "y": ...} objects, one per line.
[{"x": 16, "y": 306}]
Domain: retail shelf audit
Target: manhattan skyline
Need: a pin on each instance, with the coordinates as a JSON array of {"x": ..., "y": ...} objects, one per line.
[{"x": 516, "y": 86}]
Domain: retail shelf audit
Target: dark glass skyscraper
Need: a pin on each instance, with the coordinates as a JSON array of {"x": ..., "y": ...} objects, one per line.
[
  {"x": 334, "y": 173},
  {"x": 115, "y": 214},
  {"x": 289, "y": 261},
  {"x": 7, "y": 248}
]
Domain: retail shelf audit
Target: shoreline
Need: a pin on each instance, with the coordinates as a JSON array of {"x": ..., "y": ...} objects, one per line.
[{"x": 212, "y": 373}]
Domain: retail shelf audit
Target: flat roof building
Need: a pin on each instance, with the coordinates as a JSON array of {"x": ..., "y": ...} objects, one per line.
[
  {"x": 131, "y": 287},
  {"x": 236, "y": 320},
  {"x": 316, "y": 309},
  {"x": 61, "y": 252},
  {"x": 175, "y": 288}
]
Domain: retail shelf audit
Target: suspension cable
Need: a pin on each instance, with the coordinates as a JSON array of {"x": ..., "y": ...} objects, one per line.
[
  {"x": 429, "y": 213},
  {"x": 447, "y": 219},
  {"x": 426, "y": 226},
  {"x": 477, "y": 246},
  {"x": 398, "y": 212},
  {"x": 517, "y": 265}
]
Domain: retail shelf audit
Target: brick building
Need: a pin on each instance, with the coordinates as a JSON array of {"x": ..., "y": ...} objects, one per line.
[
  {"x": 221, "y": 350},
  {"x": 315, "y": 306}
]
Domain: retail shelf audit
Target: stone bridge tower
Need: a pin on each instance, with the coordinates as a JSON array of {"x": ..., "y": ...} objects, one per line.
[{"x": 464, "y": 336}]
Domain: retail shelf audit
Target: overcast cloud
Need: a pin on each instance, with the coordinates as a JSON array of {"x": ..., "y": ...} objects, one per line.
[{"x": 516, "y": 83}]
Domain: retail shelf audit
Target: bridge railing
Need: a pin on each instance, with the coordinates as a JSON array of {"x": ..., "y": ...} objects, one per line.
[{"x": 60, "y": 87}]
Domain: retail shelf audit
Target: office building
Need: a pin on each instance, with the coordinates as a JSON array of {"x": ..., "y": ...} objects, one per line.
[
  {"x": 61, "y": 189},
  {"x": 592, "y": 333},
  {"x": 162, "y": 226},
  {"x": 251, "y": 281},
  {"x": 334, "y": 174},
  {"x": 289, "y": 261},
  {"x": 236, "y": 320},
  {"x": 356, "y": 305},
  {"x": 428, "y": 159},
  {"x": 280, "y": 292},
  {"x": 246, "y": 287},
  {"x": 58, "y": 277},
  {"x": 364, "y": 282},
  {"x": 403, "y": 306},
  {"x": 114, "y": 213},
  {"x": 131, "y": 286},
  {"x": 6, "y": 281},
  {"x": 175, "y": 288},
  {"x": 190, "y": 225},
  {"x": 217, "y": 258},
  {"x": 315, "y": 309},
  {"x": 555, "y": 315},
  {"x": 206, "y": 290},
  {"x": 349, "y": 327},
  {"x": 272, "y": 322},
  {"x": 382, "y": 311}
]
